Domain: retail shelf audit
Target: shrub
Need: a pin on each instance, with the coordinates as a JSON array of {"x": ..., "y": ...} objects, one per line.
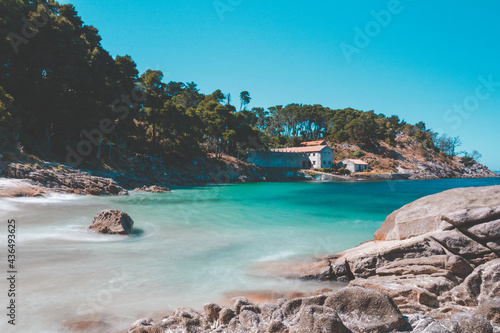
[
  {"x": 358, "y": 153},
  {"x": 390, "y": 141},
  {"x": 467, "y": 161},
  {"x": 344, "y": 171}
]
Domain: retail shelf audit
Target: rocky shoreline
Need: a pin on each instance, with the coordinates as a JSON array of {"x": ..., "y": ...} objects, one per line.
[
  {"x": 144, "y": 173},
  {"x": 434, "y": 266}
]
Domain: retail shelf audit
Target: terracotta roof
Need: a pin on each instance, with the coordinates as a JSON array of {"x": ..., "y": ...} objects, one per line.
[
  {"x": 357, "y": 161},
  {"x": 313, "y": 143},
  {"x": 309, "y": 149}
]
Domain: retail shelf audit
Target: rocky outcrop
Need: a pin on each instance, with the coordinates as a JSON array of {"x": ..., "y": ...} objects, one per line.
[
  {"x": 112, "y": 222},
  {"x": 437, "y": 256},
  {"x": 133, "y": 173},
  {"x": 50, "y": 177},
  {"x": 152, "y": 189},
  {"x": 436, "y": 170},
  {"x": 342, "y": 311}
]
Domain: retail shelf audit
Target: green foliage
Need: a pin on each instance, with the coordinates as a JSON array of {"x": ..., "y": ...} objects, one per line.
[
  {"x": 467, "y": 161},
  {"x": 344, "y": 171},
  {"x": 294, "y": 141},
  {"x": 245, "y": 99},
  {"x": 470, "y": 159},
  {"x": 9, "y": 124},
  {"x": 63, "y": 82},
  {"x": 358, "y": 154}
]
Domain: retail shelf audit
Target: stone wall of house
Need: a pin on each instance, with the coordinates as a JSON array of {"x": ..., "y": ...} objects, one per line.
[{"x": 272, "y": 159}]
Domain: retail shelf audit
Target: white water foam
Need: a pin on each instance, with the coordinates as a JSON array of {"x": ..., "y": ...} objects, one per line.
[{"x": 277, "y": 256}]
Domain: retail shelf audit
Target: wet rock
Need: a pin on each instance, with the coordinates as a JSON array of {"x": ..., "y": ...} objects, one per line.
[
  {"x": 249, "y": 319},
  {"x": 153, "y": 189},
  {"x": 225, "y": 316},
  {"x": 316, "y": 318},
  {"x": 366, "y": 310},
  {"x": 145, "y": 325},
  {"x": 212, "y": 311},
  {"x": 185, "y": 320},
  {"x": 112, "y": 222},
  {"x": 237, "y": 303}
]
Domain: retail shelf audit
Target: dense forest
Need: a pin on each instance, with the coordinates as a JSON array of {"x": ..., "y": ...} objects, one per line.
[{"x": 63, "y": 97}]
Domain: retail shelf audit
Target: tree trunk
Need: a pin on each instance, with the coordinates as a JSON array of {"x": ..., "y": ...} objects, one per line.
[
  {"x": 99, "y": 150},
  {"x": 109, "y": 156}
]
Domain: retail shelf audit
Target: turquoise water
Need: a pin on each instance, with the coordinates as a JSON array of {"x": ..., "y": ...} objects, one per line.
[{"x": 190, "y": 246}]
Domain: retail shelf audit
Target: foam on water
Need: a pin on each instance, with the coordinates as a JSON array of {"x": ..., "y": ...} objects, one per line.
[
  {"x": 278, "y": 256},
  {"x": 70, "y": 233}
]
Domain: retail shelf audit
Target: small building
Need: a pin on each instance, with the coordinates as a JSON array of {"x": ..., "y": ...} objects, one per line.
[
  {"x": 315, "y": 156},
  {"x": 354, "y": 165},
  {"x": 314, "y": 143}
]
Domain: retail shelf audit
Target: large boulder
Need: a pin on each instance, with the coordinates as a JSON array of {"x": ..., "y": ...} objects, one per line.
[
  {"x": 459, "y": 207},
  {"x": 112, "y": 222},
  {"x": 366, "y": 310}
]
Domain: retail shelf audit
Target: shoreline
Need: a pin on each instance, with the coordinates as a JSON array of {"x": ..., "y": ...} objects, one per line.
[
  {"x": 34, "y": 180},
  {"x": 22, "y": 187}
]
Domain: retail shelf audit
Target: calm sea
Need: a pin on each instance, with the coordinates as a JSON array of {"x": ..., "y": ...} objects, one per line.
[{"x": 191, "y": 246}]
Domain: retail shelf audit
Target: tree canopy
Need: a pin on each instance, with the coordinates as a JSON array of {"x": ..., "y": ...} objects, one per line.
[{"x": 59, "y": 86}]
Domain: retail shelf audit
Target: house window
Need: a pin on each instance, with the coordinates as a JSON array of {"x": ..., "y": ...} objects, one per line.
[
  {"x": 314, "y": 154},
  {"x": 324, "y": 162},
  {"x": 314, "y": 162}
]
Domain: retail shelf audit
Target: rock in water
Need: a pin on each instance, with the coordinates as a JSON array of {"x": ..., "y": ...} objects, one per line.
[
  {"x": 112, "y": 222},
  {"x": 153, "y": 189}
]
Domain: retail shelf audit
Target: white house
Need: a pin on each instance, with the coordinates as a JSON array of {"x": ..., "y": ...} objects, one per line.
[
  {"x": 317, "y": 156},
  {"x": 354, "y": 165}
]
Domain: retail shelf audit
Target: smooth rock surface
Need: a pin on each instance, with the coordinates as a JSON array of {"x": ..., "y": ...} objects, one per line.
[{"x": 457, "y": 206}]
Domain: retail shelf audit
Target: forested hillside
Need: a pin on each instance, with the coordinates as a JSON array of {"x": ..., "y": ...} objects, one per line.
[{"x": 63, "y": 97}]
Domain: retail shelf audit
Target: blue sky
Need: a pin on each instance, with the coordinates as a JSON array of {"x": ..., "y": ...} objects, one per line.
[{"x": 421, "y": 60}]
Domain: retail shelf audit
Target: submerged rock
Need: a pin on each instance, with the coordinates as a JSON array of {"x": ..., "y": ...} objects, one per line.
[{"x": 112, "y": 222}]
